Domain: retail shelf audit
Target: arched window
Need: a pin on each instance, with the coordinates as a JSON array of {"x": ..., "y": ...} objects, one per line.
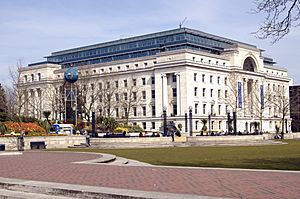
[{"x": 249, "y": 64}]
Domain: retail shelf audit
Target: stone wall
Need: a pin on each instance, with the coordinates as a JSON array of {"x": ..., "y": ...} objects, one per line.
[{"x": 50, "y": 141}]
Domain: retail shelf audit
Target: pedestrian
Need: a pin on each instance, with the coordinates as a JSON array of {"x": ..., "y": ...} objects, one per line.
[{"x": 172, "y": 135}]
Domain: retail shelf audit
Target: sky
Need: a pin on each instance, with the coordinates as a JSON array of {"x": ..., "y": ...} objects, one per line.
[{"x": 32, "y": 29}]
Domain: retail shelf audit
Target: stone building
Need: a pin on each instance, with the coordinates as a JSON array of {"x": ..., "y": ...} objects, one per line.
[
  {"x": 295, "y": 108},
  {"x": 176, "y": 70}
]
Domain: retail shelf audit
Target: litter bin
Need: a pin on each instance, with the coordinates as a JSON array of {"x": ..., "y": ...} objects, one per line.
[
  {"x": 2, "y": 147},
  {"x": 20, "y": 143}
]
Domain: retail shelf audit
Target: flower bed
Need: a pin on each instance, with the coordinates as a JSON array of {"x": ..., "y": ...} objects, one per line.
[{"x": 27, "y": 128}]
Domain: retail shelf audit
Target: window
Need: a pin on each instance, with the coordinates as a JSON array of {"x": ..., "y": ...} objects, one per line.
[
  {"x": 212, "y": 109},
  {"x": 32, "y": 77},
  {"x": 219, "y": 110},
  {"x": 144, "y": 81},
  {"x": 119, "y": 67},
  {"x": 154, "y": 62},
  {"x": 125, "y": 96},
  {"x": 211, "y": 92},
  {"x": 220, "y": 124},
  {"x": 226, "y": 109},
  {"x": 195, "y": 77},
  {"x": 174, "y": 91},
  {"x": 144, "y": 94},
  {"x": 136, "y": 65},
  {"x": 211, "y": 79},
  {"x": 125, "y": 112},
  {"x": 127, "y": 67},
  {"x": 204, "y": 109},
  {"x": 196, "y": 108},
  {"x": 134, "y": 82},
  {"x": 39, "y": 76},
  {"x": 110, "y": 69},
  {"x": 153, "y": 94},
  {"x": 145, "y": 64},
  {"x": 92, "y": 87},
  {"x": 125, "y": 83},
  {"x": 194, "y": 59},
  {"x": 152, "y": 80},
  {"x": 25, "y": 78},
  {"x": 219, "y": 93},
  {"x": 144, "y": 125},
  {"x": 117, "y": 112},
  {"x": 209, "y": 61},
  {"x": 100, "y": 85},
  {"x": 203, "y": 92},
  {"x": 117, "y": 84},
  {"x": 117, "y": 96},
  {"x": 226, "y": 93},
  {"x": 173, "y": 78},
  {"x": 217, "y": 62},
  {"x": 107, "y": 85},
  {"x": 225, "y": 81},
  {"x": 218, "y": 80},
  {"x": 134, "y": 96},
  {"x": 144, "y": 110},
  {"x": 175, "y": 109},
  {"x": 195, "y": 91},
  {"x": 153, "y": 125},
  {"x": 203, "y": 78},
  {"x": 134, "y": 111},
  {"x": 201, "y": 60},
  {"x": 224, "y": 63},
  {"x": 153, "y": 111}
]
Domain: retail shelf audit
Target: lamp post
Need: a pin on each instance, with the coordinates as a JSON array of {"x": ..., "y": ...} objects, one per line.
[
  {"x": 209, "y": 127},
  {"x": 234, "y": 123},
  {"x": 186, "y": 121},
  {"x": 228, "y": 122},
  {"x": 191, "y": 120},
  {"x": 165, "y": 120},
  {"x": 93, "y": 123}
]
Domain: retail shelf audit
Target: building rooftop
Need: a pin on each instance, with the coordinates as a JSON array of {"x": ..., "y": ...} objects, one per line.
[{"x": 144, "y": 45}]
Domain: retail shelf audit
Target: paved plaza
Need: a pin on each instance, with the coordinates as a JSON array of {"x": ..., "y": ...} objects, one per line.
[{"x": 59, "y": 167}]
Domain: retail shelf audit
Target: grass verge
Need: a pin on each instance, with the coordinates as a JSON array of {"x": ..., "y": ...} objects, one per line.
[{"x": 281, "y": 157}]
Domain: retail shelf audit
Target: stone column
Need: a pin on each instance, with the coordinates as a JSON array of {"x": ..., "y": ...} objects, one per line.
[
  {"x": 164, "y": 90},
  {"x": 178, "y": 97}
]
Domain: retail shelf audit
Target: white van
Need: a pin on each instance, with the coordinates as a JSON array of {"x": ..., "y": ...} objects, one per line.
[{"x": 66, "y": 129}]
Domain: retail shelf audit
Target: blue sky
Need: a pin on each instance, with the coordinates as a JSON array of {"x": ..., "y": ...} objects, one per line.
[{"x": 32, "y": 29}]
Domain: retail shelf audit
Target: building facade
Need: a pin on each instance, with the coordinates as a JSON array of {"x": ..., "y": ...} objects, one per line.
[
  {"x": 179, "y": 70},
  {"x": 295, "y": 107}
]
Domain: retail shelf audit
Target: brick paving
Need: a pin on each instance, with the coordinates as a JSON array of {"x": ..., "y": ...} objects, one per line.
[{"x": 58, "y": 167}]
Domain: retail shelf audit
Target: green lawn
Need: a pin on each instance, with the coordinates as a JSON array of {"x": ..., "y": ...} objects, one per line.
[{"x": 284, "y": 157}]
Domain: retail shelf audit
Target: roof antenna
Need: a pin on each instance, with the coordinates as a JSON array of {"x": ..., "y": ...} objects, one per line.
[{"x": 181, "y": 23}]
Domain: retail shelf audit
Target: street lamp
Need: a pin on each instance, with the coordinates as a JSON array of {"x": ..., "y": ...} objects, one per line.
[
  {"x": 234, "y": 123},
  {"x": 165, "y": 120},
  {"x": 186, "y": 121},
  {"x": 93, "y": 123},
  {"x": 191, "y": 120},
  {"x": 209, "y": 118}
]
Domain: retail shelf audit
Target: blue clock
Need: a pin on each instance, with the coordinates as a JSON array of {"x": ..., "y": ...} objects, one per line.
[{"x": 71, "y": 75}]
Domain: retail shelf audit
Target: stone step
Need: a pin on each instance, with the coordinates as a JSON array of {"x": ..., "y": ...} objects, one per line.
[
  {"x": 10, "y": 194},
  {"x": 27, "y": 189}
]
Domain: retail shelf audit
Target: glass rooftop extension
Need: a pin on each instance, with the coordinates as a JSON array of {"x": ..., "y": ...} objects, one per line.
[{"x": 145, "y": 45}]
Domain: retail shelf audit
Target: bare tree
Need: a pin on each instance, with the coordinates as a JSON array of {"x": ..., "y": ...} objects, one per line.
[
  {"x": 132, "y": 96},
  {"x": 260, "y": 102},
  {"x": 108, "y": 96},
  {"x": 279, "y": 100},
  {"x": 281, "y": 16}
]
